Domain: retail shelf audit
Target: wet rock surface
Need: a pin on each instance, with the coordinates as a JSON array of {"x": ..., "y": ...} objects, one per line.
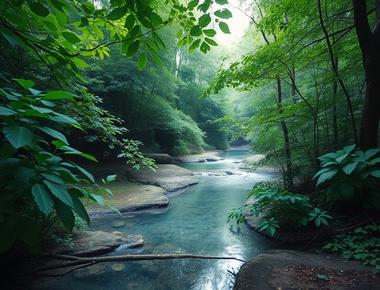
[
  {"x": 284, "y": 269},
  {"x": 129, "y": 196},
  {"x": 92, "y": 243},
  {"x": 161, "y": 158},
  {"x": 209, "y": 156},
  {"x": 167, "y": 176}
]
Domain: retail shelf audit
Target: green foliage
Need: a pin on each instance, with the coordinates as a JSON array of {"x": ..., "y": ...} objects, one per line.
[
  {"x": 279, "y": 208},
  {"x": 362, "y": 244},
  {"x": 38, "y": 179},
  {"x": 350, "y": 172}
]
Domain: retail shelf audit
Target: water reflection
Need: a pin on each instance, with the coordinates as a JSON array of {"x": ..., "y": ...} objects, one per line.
[{"x": 195, "y": 222}]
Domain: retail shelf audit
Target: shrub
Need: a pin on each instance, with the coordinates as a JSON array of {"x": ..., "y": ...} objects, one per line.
[
  {"x": 38, "y": 180},
  {"x": 280, "y": 208},
  {"x": 362, "y": 243},
  {"x": 349, "y": 173}
]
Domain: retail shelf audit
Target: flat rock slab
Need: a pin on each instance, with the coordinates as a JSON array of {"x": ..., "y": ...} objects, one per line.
[
  {"x": 91, "y": 243},
  {"x": 209, "y": 156},
  {"x": 167, "y": 176},
  {"x": 129, "y": 196},
  {"x": 283, "y": 269},
  {"x": 161, "y": 158}
]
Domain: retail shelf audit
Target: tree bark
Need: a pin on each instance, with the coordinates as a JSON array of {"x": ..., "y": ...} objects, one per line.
[
  {"x": 288, "y": 178},
  {"x": 369, "y": 42}
]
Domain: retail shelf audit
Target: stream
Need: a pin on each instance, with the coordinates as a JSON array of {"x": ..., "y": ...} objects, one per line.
[{"x": 194, "y": 222}]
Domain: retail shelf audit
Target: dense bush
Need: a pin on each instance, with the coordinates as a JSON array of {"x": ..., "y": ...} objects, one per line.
[
  {"x": 350, "y": 174},
  {"x": 38, "y": 180},
  {"x": 279, "y": 208}
]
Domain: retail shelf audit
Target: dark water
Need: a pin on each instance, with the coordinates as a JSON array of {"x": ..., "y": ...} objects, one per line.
[{"x": 194, "y": 222}]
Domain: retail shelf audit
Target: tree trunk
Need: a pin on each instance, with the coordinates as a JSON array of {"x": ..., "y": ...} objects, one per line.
[
  {"x": 288, "y": 178},
  {"x": 335, "y": 111},
  {"x": 370, "y": 46}
]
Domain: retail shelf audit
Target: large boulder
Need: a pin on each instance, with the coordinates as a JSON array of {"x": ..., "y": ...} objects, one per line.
[
  {"x": 284, "y": 269},
  {"x": 129, "y": 196},
  {"x": 161, "y": 158},
  {"x": 168, "y": 176},
  {"x": 91, "y": 243},
  {"x": 209, "y": 156}
]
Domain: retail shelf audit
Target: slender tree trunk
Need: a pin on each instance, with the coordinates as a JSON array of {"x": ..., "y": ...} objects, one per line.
[
  {"x": 288, "y": 178},
  {"x": 335, "y": 111},
  {"x": 370, "y": 47}
]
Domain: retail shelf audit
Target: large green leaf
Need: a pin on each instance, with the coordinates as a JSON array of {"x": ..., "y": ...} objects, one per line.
[
  {"x": 4, "y": 111},
  {"x": 60, "y": 191},
  {"x": 56, "y": 95},
  {"x": 142, "y": 61},
  {"x": 117, "y": 13},
  {"x": 80, "y": 209},
  {"x": 326, "y": 176},
  {"x": 133, "y": 48},
  {"x": 26, "y": 84},
  {"x": 42, "y": 198},
  {"x": 54, "y": 133},
  {"x": 71, "y": 37},
  {"x": 349, "y": 168},
  {"x": 204, "y": 20},
  {"x": 18, "y": 136},
  {"x": 38, "y": 9},
  {"x": 65, "y": 214}
]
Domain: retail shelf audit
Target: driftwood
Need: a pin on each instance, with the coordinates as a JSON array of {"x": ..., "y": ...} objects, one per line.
[{"x": 76, "y": 262}]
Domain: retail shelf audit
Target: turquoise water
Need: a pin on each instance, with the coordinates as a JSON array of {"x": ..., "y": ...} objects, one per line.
[{"x": 194, "y": 222}]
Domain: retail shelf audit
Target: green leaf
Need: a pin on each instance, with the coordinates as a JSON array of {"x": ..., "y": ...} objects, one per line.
[
  {"x": 42, "y": 198},
  {"x": 349, "y": 168},
  {"x": 192, "y": 4},
  {"x": 38, "y": 9},
  {"x": 204, "y": 20},
  {"x": 111, "y": 178},
  {"x": 375, "y": 173},
  {"x": 133, "y": 48},
  {"x": 85, "y": 173},
  {"x": 18, "y": 136},
  {"x": 155, "y": 18},
  {"x": 211, "y": 41},
  {"x": 142, "y": 60},
  {"x": 97, "y": 198},
  {"x": 224, "y": 27},
  {"x": 71, "y": 37},
  {"x": 196, "y": 31},
  {"x": 59, "y": 191},
  {"x": 204, "y": 47},
  {"x": 26, "y": 84},
  {"x": 194, "y": 45},
  {"x": 326, "y": 176},
  {"x": 4, "y": 111},
  {"x": 117, "y": 13},
  {"x": 221, "y": 2},
  {"x": 209, "y": 32},
  {"x": 57, "y": 95},
  {"x": 65, "y": 214},
  {"x": 129, "y": 21},
  {"x": 54, "y": 133},
  {"x": 80, "y": 209},
  {"x": 223, "y": 13}
]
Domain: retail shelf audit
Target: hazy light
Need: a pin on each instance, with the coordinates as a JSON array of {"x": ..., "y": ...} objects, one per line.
[{"x": 238, "y": 24}]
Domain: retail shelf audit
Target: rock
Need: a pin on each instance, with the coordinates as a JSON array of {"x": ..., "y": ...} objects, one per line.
[
  {"x": 128, "y": 196},
  {"x": 228, "y": 172},
  {"x": 251, "y": 161},
  {"x": 91, "y": 243},
  {"x": 210, "y": 156},
  {"x": 118, "y": 267},
  {"x": 161, "y": 158},
  {"x": 118, "y": 224},
  {"x": 168, "y": 176},
  {"x": 284, "y": 269}
]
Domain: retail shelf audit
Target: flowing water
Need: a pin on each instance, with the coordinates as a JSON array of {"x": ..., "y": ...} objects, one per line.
[{"x": 194, "y": 222}]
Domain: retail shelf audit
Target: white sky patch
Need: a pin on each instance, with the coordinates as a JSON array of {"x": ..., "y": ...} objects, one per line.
[{"x": 238, "y": 24}]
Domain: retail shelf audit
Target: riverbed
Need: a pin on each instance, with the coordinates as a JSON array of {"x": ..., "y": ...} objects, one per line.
[{"x": 195, "y": 222}]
